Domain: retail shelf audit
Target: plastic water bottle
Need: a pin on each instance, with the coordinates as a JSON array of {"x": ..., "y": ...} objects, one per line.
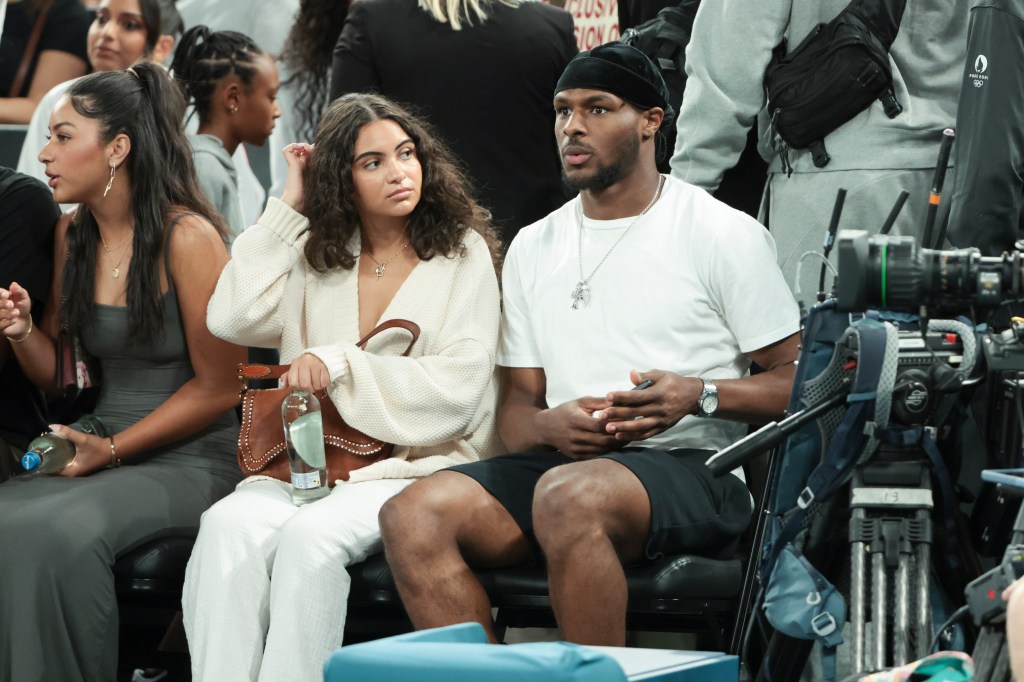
[
  {"x": 49, "y": 453},
  {"x": 304, "y": 436}
]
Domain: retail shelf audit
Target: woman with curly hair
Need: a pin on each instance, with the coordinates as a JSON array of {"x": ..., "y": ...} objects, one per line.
[
  {"x": 375, "y": 223},
  {"x": 482, "y": 71},
  {"x": 307, "y": 59}
]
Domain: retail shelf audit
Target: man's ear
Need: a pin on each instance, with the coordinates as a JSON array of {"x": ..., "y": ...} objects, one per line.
[
  {"x": 163, "y": 48},
  {"x": 651, "y": 121},
  {"x": 118, "y": 149}
]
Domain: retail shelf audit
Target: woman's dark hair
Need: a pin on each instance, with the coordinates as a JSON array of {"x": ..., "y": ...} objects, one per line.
[
  {"x": 308, "y": 54},
  {"x": 142, "y": 103},
  {"x": 152, "y": 18},
  {"x": 204, "y": 57},
  {"x": 438, "y": 224},
  {"x": 171, "y": 23}
]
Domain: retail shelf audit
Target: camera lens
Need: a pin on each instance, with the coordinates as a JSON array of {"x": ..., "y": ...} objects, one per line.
[
  {"x": 898, "y": 271},
  {"x": 893, "y": 273}
]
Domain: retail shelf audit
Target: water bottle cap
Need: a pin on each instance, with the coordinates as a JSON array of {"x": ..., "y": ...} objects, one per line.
[{"x": 30, "y": 461}]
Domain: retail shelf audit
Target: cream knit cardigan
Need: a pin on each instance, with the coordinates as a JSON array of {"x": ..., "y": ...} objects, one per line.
[{"x": 438, "y": 404}]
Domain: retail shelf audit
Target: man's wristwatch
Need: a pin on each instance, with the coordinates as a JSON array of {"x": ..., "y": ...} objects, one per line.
[{"x": 707, "y": 403}]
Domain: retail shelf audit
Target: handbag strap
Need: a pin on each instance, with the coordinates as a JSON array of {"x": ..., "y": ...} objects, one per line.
[
  {"x": 26, "y": 57},
  {"x": 250, "y": 372}
]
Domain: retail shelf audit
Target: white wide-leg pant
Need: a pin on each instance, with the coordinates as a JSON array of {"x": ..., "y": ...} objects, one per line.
[{"x": 266, "y": 590}]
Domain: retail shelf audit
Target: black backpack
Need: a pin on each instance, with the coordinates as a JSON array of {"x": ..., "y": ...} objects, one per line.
[
  {"x": 664, "y": 39},
  {"x": 833, "y": 75}
]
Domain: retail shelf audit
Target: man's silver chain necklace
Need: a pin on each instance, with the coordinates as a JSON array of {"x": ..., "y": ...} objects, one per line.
[{"x": 581, "y": 294}]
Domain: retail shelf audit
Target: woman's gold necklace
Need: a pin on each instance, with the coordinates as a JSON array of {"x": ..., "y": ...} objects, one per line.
[
  {"x": 116, "y": 270},
  {"x": 381, "y": 267}
]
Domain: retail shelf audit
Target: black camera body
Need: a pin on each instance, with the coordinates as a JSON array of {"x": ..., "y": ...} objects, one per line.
[{"x": 894, "y": 274}]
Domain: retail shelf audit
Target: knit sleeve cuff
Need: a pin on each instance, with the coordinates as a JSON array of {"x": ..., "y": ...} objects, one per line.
[
  {"x": 334, "y": 358},
  {"x": 284, "y": 221}
]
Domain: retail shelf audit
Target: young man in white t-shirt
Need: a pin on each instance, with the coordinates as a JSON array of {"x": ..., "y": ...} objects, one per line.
[{"x": 639, "y": 271}]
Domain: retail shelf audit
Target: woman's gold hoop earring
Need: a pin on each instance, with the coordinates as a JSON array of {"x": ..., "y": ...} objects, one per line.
[{"x": 109, "y": 182}]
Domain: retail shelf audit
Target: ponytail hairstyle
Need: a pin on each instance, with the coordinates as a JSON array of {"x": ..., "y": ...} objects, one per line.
[
  {"x": 142, "y": 103},
  {"x": 308, "y": 54},
  {"x": 204, "y": 57}
]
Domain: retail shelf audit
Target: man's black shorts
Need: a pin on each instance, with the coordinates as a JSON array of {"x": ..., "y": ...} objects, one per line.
[{"x": 691, "y": 510}]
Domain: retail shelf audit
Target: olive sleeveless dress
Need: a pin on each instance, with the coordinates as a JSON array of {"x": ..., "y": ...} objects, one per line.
[{"x": 59, "y": 537}]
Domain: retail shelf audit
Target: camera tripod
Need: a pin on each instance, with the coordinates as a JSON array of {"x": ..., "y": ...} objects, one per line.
[
  {"x": 893, "y": 493},
  {"x": 891, "y": 505}
]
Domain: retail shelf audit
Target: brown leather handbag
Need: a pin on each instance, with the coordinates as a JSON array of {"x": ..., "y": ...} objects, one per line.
[{"x": 261, "y": 444}]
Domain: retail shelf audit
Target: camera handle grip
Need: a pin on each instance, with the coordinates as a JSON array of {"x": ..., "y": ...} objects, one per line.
[{"x": 769, "y": 435}]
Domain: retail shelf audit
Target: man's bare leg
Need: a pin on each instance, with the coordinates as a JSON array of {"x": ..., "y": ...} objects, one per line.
[
  {"x": 591, "y": 518},
  {"x": 433, "y": 531}
]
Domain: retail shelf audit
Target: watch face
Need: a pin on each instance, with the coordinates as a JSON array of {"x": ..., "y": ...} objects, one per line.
[{"x": 709, "y": 403}]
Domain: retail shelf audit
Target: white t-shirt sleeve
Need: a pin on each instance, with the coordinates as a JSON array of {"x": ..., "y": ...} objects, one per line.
[
  {"x": 518, "y": 346},
  {"x": 747, "y": 285}
]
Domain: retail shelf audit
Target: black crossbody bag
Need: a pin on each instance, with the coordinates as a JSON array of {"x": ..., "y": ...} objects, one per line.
[{"x": 835, "y": 73}]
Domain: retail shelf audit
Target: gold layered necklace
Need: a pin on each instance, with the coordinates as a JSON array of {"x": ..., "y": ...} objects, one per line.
[{"x": 115, "y": 271}]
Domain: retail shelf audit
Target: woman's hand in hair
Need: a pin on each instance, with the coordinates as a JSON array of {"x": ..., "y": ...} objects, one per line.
[
  {"x": 309, "y": 373},
  {"x": 295, "y": 155},
  {"x": 15, "y": 307}
]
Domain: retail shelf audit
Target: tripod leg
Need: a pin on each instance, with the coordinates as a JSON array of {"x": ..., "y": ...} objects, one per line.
[
  {"x": 858, "y": 559},
  {"x": 923, "y": 562},
  {"x": 879, "y": 618},
  {"x": 901, "y": 617}
]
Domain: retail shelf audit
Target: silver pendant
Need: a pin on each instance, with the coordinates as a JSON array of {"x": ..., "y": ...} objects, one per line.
[{"x": 581, "y": 294}]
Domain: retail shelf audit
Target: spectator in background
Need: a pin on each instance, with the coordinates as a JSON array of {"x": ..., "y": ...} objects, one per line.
[
  {"x": 268, "y": 23},
  {"x": 986, "y": 195},
  {"x": 482, "y": 71},
  {"x": 140, "y": 262},
  {"x": 27, "y": 218},
  {"x": 873, "y": 156},
  {"x": 123, "y": 32},
  {"x": 233, "y": 87},
  {"x": 57, "y": 28},
  {"x": 307, "y": 57}
]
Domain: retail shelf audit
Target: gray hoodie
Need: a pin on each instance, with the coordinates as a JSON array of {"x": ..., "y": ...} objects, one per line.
[
  {"x": 218, "y": 179},
  {"x": 730, "y": 50}
]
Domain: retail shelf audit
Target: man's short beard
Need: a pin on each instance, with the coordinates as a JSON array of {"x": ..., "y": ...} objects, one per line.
[{"x": 606, "y": 176}]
